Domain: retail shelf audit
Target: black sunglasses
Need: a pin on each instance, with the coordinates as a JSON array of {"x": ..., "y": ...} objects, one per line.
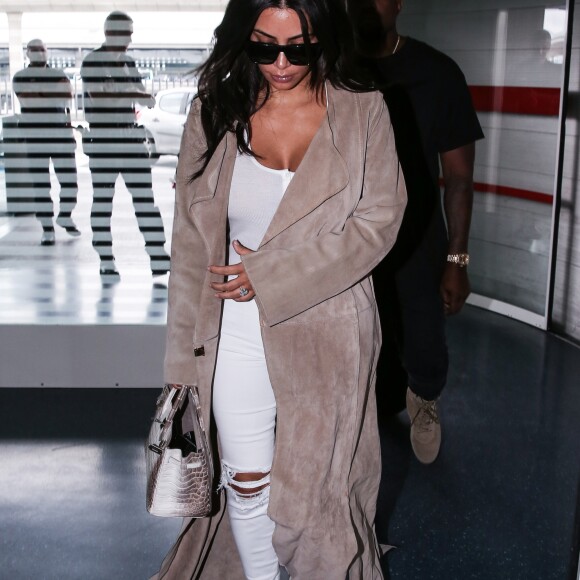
[{"x": 297, "y": 54}]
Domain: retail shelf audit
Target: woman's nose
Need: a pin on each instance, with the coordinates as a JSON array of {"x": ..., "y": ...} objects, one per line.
[{"x": 282, "y": 62}]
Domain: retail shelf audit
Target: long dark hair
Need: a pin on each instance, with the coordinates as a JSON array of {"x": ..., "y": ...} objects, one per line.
[{"x": 230, "y": 84}]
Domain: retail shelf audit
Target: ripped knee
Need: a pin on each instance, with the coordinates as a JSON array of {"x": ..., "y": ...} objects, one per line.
[{"x": 248, "y": 489}]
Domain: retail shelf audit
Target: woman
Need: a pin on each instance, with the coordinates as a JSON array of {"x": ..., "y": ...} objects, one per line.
[{"x": 285, "y": 164}]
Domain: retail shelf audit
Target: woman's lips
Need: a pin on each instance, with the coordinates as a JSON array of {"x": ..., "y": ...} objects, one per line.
[{"x": 282, "y": 78}]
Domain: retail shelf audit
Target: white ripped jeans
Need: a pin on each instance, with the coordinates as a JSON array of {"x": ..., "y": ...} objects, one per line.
[{"x": 245, "y": 413}]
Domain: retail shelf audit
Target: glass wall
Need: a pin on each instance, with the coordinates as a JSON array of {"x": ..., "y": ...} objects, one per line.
[
  {"x": 566, "y": 309},
  {"x": 87, "y": 164},
  {"x": 511, "y": 52},
  {"x": 512, "y": 56}
]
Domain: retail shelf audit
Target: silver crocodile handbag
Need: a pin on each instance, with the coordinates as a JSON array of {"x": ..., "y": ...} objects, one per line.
[{"x": 179, "y": 463}]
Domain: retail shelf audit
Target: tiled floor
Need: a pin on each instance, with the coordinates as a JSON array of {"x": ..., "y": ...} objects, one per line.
[
  {"x": 501, "y": 502},
  {"x": 60, "y": 284}
]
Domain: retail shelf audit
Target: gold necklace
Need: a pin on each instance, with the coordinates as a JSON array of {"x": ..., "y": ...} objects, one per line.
[{"x": 397, "y": 44}]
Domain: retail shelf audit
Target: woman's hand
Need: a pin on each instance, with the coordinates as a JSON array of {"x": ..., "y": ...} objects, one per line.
[{"x": 240, "y": 288}]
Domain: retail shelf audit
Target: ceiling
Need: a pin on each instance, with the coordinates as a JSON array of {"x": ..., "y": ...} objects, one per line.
[{"x": 107, "y": 5}]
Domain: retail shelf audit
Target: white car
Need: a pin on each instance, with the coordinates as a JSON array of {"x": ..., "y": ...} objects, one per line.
[{"x": 164, "y": 122}]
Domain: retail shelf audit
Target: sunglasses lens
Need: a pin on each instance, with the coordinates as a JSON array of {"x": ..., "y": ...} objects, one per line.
[
  {"x": 297, "y": 54},
  {"x": 261, "y": 52}
]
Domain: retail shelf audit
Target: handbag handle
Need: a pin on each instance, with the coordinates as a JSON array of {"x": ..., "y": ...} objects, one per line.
[
  {"x": 173, "y": 402},
  {"x": 175, "y": 390}
]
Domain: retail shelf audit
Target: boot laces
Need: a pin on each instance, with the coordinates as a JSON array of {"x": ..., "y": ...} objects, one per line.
[{"x": 426, "y": 414}]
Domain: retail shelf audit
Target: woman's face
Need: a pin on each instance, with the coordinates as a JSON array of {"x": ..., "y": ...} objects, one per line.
[{"x": 281, "y": 26}]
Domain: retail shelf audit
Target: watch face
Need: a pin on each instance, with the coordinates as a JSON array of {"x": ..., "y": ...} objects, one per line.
[{"x": 459, "y": 259}]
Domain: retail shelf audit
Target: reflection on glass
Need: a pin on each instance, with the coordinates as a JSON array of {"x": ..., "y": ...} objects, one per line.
[
  {"x": 516, "y": 165},
  {"x": 555, "y": 25},
  {"x": 116, "y": 144},
  {"x": 514, "y": 69},
  {"x": 86, "y": 179},
  {"x": 43, "y": 133}
]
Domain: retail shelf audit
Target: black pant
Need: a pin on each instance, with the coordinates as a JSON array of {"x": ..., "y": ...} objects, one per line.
[
  {"x": 65, "y": 168},
  {"x": 38, "y": 170},
  {"x": 119, "y": 152},
  {"x": 28, "y": 151},
  {"x": 412, "y": 316}
]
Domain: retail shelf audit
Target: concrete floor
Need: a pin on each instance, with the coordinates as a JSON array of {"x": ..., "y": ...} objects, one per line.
[{"x": 500, "y": 503}]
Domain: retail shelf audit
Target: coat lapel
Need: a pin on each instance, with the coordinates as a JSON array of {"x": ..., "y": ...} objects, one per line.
[
  {"x": 205, "y": 188},
  {"x": 321, "y": 174},
  {"x": 208, "y": 208},
  {"x": 213, "y": 187}
]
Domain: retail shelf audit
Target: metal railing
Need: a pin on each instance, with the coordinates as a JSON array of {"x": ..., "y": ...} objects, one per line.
[
  {"x": 153, "y": 84},
  {"x": 6, "y": 97}
]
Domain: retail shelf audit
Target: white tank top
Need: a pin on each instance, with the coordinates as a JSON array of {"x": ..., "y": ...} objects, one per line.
[{"x": 255, "y": 195}]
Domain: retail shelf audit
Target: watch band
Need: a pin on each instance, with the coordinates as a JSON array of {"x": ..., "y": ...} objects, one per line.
[{"x": 461, "y": 260}]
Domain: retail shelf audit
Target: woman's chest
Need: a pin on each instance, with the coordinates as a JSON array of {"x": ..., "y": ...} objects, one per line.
[{"x": 281, "y": 140}]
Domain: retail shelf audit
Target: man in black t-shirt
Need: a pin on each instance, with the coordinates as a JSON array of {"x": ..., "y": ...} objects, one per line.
[
  {"x": 45, "y": 95},
  {"x": 416, "y": 293},
  {"x": 116, "y": 145}
]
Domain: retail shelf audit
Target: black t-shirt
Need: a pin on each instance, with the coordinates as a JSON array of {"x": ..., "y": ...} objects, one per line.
[
  {"x": 439, "y": 96},
  {"x": 111, "y": 83},
  {"x": 45, "y": 95}
]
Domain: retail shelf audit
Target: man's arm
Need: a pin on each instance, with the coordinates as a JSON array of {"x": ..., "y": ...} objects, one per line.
[
  {"x": 457, "y": 168},
  {"x": 136, "y": 89},
  {"x": 66, "y": 88},
  {"x": 103, "y": 81}
]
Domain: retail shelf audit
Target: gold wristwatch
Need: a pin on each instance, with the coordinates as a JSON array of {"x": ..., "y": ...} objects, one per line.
[{"x": 461, "y": 260}]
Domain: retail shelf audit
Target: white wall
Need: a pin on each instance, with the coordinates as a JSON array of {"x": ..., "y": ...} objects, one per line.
[{"x": 82, "y": 356}]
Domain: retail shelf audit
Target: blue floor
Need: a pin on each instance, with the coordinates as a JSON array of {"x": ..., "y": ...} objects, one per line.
[{"x": 500, "y": 503}]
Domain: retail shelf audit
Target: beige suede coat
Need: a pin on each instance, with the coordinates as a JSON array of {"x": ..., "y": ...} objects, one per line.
[{"x": 337, "y": 220}]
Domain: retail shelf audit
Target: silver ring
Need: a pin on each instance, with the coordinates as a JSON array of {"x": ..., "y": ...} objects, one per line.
[{"x": 244, "y": 291}]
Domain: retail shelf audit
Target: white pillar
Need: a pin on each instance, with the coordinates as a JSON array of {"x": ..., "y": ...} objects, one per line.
[{"x": 15, "y": 53}]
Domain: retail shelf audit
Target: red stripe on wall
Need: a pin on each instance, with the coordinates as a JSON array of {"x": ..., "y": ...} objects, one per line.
[
  {"x": 509, "y": 191},
  {"x": 519, "y": 100},
  {"x": 513, "y": 192}
]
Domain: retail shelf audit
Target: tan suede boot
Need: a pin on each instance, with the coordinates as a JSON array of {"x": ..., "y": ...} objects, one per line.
[{"x": 425, "y": 427}]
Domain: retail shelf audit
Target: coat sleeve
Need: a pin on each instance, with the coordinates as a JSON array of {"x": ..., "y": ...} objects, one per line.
[
  {"x": 290, "y": 280},
  {"x": 188, "y": 262}
]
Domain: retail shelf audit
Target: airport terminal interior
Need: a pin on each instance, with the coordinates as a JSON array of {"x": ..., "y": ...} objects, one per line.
[{"x": 81, "y": 361}]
